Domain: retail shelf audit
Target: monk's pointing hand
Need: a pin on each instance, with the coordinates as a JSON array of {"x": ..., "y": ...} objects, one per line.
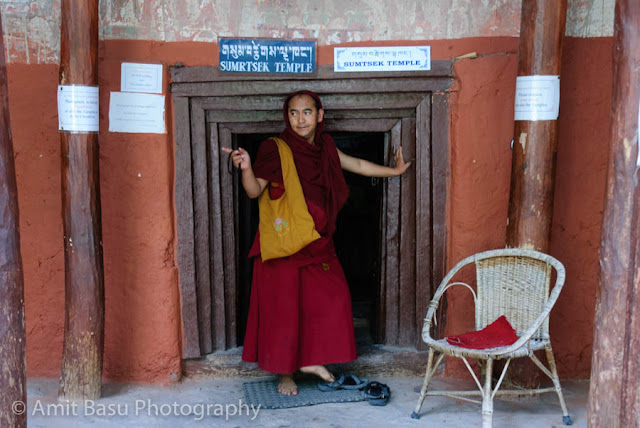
[{"x": 239, "y": 157}]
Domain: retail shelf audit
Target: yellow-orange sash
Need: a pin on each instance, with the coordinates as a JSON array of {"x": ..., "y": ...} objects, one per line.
[{"x": 285, "y": 223}]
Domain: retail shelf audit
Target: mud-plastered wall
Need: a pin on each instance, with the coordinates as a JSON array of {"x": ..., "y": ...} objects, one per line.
[{"x": 142, "y": 332}]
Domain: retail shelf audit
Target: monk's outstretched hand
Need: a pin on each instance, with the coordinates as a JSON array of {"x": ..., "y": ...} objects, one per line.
[
  {"x": 239, "y": 157},
  {"x": 401, "y": 166}
]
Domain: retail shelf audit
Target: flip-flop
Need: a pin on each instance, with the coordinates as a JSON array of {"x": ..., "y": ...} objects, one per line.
[
  {"x": 377, "y": 393},
  {"x": 331, "y": 386},
  {"x": 352, "y": 381}
]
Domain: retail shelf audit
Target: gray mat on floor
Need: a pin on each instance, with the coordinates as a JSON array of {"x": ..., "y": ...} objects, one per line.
[{"x": 265, "y": 394}]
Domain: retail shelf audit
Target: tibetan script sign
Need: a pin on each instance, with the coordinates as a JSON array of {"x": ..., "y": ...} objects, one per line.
[
  {"x": 267, "y": 56},
  {"x": 382, "y": 58}
]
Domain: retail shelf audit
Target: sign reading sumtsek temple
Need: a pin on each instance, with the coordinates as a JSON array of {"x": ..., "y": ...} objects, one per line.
[
  {"x": 267, "y": 56},
  {"x": 382, "y": 58}
]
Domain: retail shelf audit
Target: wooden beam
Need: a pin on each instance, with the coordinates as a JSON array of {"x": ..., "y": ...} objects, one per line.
[
  {"x": 392, "y": 240},
  {"x": 535, "y": 142},
  {"x": 331, "y": 102},
  {"x": 213, "y": 74},
  {"x": 227, "y": 217},
  {"x": 407, "y": 246},
  {"x": 13, "y": 374},
  {"x": 217, "y": 245},
  {"x": 424, "y": 217},
  {"x": 185, "y": 227},
  {"x": 440, "y": 173},
  {"x": 615, "y": 372},
  {"x": 81, "y": 371},
  {"x": 230, "y": 116},
  {"x": 201, "y": 219},
  {"x": 346, "y": 85}
]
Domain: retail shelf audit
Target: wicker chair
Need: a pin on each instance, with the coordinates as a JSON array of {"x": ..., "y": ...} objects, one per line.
[{"x": 510, "y": 282}]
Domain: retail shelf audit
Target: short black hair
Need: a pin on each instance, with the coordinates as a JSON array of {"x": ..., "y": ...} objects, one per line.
[{"x": 315, "y": 102}]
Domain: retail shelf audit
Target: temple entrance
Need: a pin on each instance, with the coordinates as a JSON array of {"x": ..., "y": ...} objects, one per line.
[
  {"x": 357, "y": 238},
  {"x": 392, "y": 272}
]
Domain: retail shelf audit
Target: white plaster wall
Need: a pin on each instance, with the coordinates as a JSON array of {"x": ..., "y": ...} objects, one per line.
[{"x": 32, "y": 27}]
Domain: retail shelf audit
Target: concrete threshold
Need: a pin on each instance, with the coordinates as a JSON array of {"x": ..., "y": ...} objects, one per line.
[{"x": 373, "y": 360}]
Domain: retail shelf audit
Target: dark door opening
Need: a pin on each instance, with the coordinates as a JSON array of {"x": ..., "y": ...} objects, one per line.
[
  {"x": 358, "y": 232},
  {"x": 357, "y": 238}
]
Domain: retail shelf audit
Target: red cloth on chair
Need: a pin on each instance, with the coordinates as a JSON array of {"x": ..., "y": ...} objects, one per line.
[{"x": 498, "y": 333}]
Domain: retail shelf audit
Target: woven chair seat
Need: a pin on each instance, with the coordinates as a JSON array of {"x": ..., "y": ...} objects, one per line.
[{"x": 441, "y": 345}]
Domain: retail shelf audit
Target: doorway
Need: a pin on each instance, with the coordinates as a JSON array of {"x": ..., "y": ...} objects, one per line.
[
  {"x": 214, "y": 110},
  {"x": 357, "y": 238}
]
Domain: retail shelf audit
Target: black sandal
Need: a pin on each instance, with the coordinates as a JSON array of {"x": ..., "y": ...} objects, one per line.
[{"x": 377, "y": 393}]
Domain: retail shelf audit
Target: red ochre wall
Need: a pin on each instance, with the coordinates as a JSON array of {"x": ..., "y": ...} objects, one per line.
[{"x": 143, "y": 322}]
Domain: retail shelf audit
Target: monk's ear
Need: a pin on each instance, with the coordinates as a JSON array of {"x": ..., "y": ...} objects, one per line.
[{"x": 320, "y": 115}]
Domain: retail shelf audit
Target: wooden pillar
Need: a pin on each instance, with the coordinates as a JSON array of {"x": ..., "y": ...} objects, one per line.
[
  {"x": 84, "y": 278},
  {"x": 535, "y": 142},
  {"x": 12, "y": 330},
  {"x": 615, "y": 377}
]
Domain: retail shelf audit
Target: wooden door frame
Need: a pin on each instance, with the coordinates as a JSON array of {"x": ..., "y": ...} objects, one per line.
[{"x": 210, "y": 106}]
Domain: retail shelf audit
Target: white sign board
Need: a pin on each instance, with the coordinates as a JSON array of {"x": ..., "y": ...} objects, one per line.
[
  {"x": 537, "y": 98},
  {"x": 382, "y": 58},
  {"x": 78, "y": 108},
  {"x": 141, "y": 78},
  {"x": 138, "y": 113}
]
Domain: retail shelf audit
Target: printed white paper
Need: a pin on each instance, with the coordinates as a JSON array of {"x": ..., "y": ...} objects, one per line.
[
  {"x": 382, "y": 58},
  {"x": 78, "y": 108},
  {"x": 141, "y": 78},
  {"x": 138, "y": 113},
  {"x": 537, "y": 98}
]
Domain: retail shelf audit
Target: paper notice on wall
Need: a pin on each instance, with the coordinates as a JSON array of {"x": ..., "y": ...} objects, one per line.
[
  {"x": 141, "y": 78},
  {"x": 136, "y": 113},
  {"x": 537, "y": 98},
  {"x": 78, "y": 108}
]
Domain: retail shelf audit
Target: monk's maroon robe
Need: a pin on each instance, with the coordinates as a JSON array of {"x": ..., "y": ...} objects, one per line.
[{"x": 300, "y": 307}]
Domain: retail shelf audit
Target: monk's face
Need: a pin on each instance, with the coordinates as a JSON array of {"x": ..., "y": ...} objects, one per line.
[{"x": 304, "y": 116}]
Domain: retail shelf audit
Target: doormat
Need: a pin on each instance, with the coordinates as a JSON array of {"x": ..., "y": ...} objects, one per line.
[{"x": 265, "y": 394}]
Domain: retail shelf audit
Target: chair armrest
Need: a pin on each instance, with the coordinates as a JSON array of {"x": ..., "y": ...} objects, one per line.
[{"x": 430, "y": 319}]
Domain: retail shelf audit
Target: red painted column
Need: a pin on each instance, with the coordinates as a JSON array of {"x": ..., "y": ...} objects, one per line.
[
  {"x": 13, "y": 364},
  {"x": 615, "y": 371},
  {"x": 84, "y": 276}
]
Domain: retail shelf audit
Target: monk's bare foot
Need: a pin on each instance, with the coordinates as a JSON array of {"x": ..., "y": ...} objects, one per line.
[
  {"x": 320, "y": 371},
  {"x": 287, "y": 386}
]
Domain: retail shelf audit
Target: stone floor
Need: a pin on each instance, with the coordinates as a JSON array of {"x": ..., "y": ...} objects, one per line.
[{"x": 185, "y": 405}]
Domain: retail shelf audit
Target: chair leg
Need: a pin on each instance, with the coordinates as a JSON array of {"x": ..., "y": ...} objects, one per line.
[
  {"x": 487, "y": 398},
  {"x": 566, "y": 419},
  {"x": 425, "y": 384}
]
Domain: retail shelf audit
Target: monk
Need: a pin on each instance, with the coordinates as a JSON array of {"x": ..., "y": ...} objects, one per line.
[{"x": 300, "y": 307}]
